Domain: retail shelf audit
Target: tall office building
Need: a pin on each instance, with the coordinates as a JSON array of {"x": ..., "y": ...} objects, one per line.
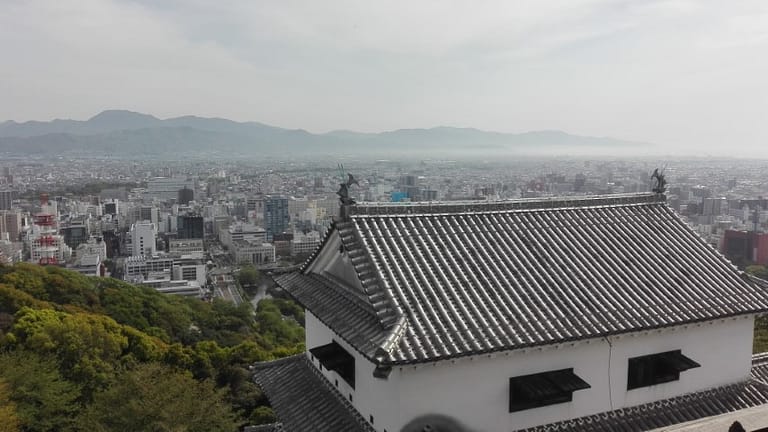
[
  {"x": 75, "y": 235},
  {"x": 276, "y": 215},
  {"x": 111, "y": 207},
  {"x": 185, "y": 196},
  {"x": 6, "y": 199},
  {"x": 190, "y": 226},
  {"x": 10, "y": 223},
  {"x": 144, "y": 238}
]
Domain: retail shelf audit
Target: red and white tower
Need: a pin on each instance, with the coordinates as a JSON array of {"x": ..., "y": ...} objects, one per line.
[{"x": 46, "y": 245}]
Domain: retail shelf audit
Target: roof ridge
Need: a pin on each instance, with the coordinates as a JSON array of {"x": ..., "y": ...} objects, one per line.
[
  {"x": 270, "y": 363},
  {"x": 373, "y": 286},
  {"x": 760, "y": 359},
  {"x": 433, "y": 207}
]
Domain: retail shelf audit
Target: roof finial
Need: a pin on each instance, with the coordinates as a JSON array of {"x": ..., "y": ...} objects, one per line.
[
  {"x": 343, "y": 192},
  {"x": 661, "y": 183}
]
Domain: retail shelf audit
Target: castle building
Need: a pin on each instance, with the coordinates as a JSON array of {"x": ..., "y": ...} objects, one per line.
[{"x": 581, "y": 314}]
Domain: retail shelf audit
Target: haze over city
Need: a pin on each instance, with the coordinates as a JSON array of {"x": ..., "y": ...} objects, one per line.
[
  {"x": 346, "y": 216},
  {"x": 683, "y": 75}
]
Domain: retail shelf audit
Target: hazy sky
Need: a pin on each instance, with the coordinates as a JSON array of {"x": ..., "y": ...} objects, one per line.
[{"x": 677, "y": 72}]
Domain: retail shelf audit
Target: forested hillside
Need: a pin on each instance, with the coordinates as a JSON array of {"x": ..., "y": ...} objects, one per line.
[{"x": 97, "y": 354}]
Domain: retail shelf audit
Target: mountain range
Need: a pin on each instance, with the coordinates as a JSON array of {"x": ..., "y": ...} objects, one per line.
[{"x": 120, "y": 133}]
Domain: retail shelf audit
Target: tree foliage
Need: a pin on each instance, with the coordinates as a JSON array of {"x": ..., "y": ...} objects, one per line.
[
  {"x": 248, "y": 275},
  {"x": 9, "y": 420},
  {"x": 45, "y": 400},
  {"x": 95, "y": 332},
  {"x": 154, "y": 397},
  {"x": 758, "y": 271}
]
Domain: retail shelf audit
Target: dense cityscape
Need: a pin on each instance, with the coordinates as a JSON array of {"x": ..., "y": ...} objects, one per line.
[
  {"x": 185, "y": 227},
  {"x": 340, "y": 216}
]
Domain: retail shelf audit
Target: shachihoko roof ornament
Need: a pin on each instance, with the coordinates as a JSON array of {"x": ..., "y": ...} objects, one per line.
[{"x": 661, "y": 183}]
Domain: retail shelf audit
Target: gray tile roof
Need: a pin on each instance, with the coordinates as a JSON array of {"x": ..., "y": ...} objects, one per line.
[
  {"x": 354, "y": 322},
  {"x": 303, "y": 400},
  {"x": 443, "y": 281},
  {"x": 668, "y": 412}
]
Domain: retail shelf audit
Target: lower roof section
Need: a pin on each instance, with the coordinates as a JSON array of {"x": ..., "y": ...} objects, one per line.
[{"x": 303, "y": 400}]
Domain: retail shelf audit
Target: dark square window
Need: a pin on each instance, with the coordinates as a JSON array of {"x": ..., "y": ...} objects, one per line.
[
  {"x": 542, "y": 389},
  {"x": 337, "y": 359},
  {"x": 658, "y": 368}
]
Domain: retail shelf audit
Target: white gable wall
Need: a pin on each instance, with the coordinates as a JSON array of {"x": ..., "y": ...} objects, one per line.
[
  {"x": 371, "y": 396},
  {"x": 475, "y": 390},
  {"x": 330, "y": 262}
]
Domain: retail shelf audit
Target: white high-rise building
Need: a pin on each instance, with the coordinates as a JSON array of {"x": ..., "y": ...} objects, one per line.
[
  {"x": 143, "y": 239},
  {"x": 166, "y": 189}
]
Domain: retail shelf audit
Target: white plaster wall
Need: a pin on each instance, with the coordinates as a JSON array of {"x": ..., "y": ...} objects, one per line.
[
  {"x": 475, "y": 390},
  {"x": 371, "y": 396}
]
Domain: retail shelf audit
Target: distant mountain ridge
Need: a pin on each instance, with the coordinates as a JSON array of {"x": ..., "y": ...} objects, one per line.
[{"x": 127, "y": 133}]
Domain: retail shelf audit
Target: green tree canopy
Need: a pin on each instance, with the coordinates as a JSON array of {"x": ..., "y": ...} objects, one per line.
[
  {"x": 91, "y": 330},
  {"x": 44, "y": 400},
  {"x": 157, "y": 398},
  {"x": 248, "y": 275},
  {"x": 9, "y": 420},
  {"x": 758, "y": 271}
]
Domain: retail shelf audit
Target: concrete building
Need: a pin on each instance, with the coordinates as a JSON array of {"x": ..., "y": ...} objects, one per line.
[
  {"x": 242, "y": 232},
  {"x": 745, "y": 247},
  {"x": 163, "y": 283},
  {"x": 255, "y": 208},
  {"x": 143, "y": 239},
  {"x": 190, "y": 226},
  {"x": 185, "y": 196},
  {"x": 93, "y": 246},
  {"x": 305, "y": 243},
  {"x": 276, "y": 215},
  {"x": 190, "y": 268},
  {"x": 251, "y": 252},
  {"x": 12, "y": 251},
  {"x": 10, "y": 224},
  {"x": 185, "y": 246},
  {"x": 139, "y": 268},
  {"x": 580, "y": 314},
  {"x": 75, "y": 234},
  {"x": 296, "y": 205},
  {"x": 167, "y": 189},
  {"x": 6, "y": 199},
  {"x": 112, "y": 207},
  {"x": 88, "y": 264}
]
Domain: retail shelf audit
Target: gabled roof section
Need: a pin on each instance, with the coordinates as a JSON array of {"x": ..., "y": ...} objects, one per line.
[
  {"x": 450, "y": 280},
  {"x": 337, "y": 309},
  {"x": 303, "y": 400},
  {"x": 350, "y": 244}
]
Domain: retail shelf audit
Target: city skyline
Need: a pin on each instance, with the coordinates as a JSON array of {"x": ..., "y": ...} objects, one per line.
[{"x": 683, "y": 75}]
